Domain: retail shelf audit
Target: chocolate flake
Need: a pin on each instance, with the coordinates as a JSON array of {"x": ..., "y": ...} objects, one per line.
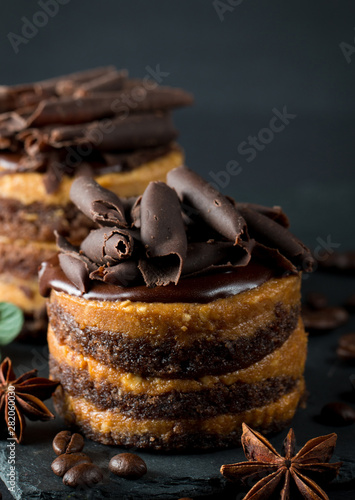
[
  {"x": 108, "y": 245},
  {"x": 99, "y": 204},
  {"x": 214, "y": 208},
  {"x": 124, "y": 274},
  {"x": 108, "y": 82},
  {"x": 272, "y": 234},
  {"x": 163, "y": 235},
  {"x": 76, "y": 270}
]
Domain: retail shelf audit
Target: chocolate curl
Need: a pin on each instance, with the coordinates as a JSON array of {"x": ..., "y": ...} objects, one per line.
[
  {"x": 163, "y": 235},
  {"x": 124, "y": 274},
  {"x": 16, "y": 96},
  {"x": 107, "y": 246},
  {"x": 75, "y": 266},
  {"x": 131, "y": 132},
  {"x": 135, "y": 214},
  {"x": 54, "y": 173},
  {"x": 214, "y": 208},
  {"x": 63, "y": 244},
  {"x": 76, "y": 270},
  {"x": 273, "y": 258},
  {"x": 70, "y": 110},
  {"x": 74, "y": 110},
  {"x": 271, "y": 234},
  {"x": 202, "y": 256},
  {"x": 275, "y": 213},
  {"x": 106, "y": 83},
  {"x": 160, "y": 98},
  {"x": 99, "y": 204},
  {"x": 11, "y": 123},
  {"x": 65, "y": 85},
  {"x": 7, "y": 100}
]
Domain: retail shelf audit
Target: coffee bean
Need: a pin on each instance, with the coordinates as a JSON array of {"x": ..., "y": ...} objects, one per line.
[
  {"x": 316, "y": 300},
  {"x": 324, "y": 319},
  {"x": 339, "y": 262},
  {"x": 350, "y": 304},
  {"x": 337, "y": 413},
  {"x": 66, "y": 442},
  {"x": 83, "y": 475},
  {"x": 68, "y": 460},
  {"x": 128, "y": 465},
  {"x": 346, "y": 347}
]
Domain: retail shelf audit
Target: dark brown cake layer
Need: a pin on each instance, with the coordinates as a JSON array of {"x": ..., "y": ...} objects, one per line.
[
  {"x": 168, "y": 359},
  {"x": 179, "y": 441},
  {"x": 38, "y": 221},
  {"x": 22, "y": 261},
  {"x": 221, "y": 399}
]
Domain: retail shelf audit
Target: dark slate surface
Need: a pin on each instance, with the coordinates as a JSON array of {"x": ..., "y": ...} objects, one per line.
[{"x": 194, "y": 475}]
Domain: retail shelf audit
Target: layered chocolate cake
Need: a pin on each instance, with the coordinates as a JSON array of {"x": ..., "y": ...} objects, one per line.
[
  {"x": 98, "y": 122},
  {"x": 177, "y": 318}
]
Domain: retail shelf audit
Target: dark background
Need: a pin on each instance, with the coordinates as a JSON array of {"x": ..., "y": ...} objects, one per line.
[{"x": 262, "y": 55}]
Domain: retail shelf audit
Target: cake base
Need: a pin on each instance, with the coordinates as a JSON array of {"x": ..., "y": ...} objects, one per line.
[{"x": 179, "y": 376}]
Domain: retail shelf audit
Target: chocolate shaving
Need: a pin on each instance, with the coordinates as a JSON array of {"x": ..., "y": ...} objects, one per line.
[
  {"x": 162, "y": 234},
  {"x": 204, "y": 256},
  {"x": 214, "y": 208},
  {"x": 129, "y": 132},
  {"x": 7, "y": 100},
  {"x": 112, "y": 81},
  {"x": 160, "y": 98},
  {"x": 74, "y": 110},
  {"x": 70, "y": 110},
  {"x": 275, "y": 213},
  {"x": 124, "y": 274},
  {"x": 17, "y": 96},
  {"x": 64, "y": 245},
  {"x": 66, "y": 84},
  {"x": 11, "y": 123},
  {"x": 271, "y": 234},
  {"x": 273, "y": 258},
  {"x": 99, "y": 204},
  {"x": 76, "y": 270},
  {"x": 76, "y": 267},
  {"x": 108, "y": 245}
]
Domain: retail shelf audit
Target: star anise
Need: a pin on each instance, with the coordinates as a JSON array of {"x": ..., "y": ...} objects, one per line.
[
  {"x": 29, "y": 391},
  {"x": 288, "y": 473}
]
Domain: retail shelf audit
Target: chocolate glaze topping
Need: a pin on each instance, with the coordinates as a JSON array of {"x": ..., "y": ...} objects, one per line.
[
  {"x": 192, "y": 247},
  {"x": 202, "y": 288},
  {"x": 85, "y": 115}
]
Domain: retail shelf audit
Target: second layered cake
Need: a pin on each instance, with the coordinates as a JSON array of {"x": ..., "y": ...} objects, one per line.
[
  {"x": 178, "y": 319},
  {"x": 100, "y": 122}
]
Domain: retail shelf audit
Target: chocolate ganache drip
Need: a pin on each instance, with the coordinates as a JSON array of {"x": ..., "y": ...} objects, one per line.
[
  {"x": 98, "y": 117},
  {"x": 180, "y": 229}
]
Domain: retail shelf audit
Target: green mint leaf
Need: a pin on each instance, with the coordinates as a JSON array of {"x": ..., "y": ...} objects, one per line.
[{"x": 11, "y": 322}]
